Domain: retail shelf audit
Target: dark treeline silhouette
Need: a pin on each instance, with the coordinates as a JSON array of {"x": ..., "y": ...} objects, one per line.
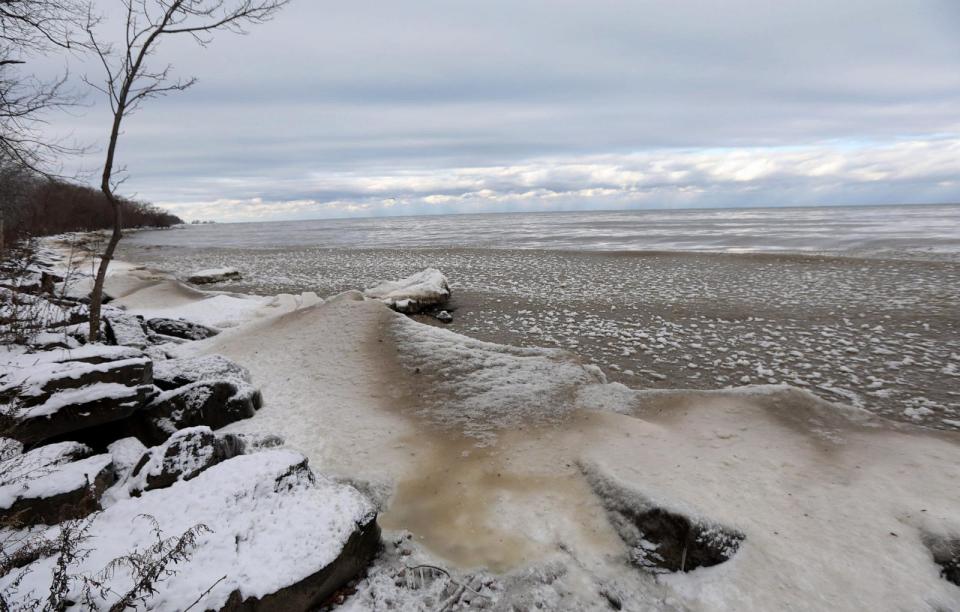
[{"x": 39, "y": 206}]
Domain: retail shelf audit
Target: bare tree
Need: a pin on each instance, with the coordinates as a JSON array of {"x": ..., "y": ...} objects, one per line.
[
  {"x": 130, "y": 81},
  {"x": 29, "y": 28}
]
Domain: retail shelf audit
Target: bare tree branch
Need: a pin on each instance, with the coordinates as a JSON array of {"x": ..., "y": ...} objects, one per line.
[{"x": 129, "y": 81}]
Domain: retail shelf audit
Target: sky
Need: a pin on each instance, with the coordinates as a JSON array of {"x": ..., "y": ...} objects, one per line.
[{"x": 382, "y": 107}]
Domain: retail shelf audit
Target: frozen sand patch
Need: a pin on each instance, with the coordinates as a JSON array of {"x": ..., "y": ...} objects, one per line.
[
  {"x": 811, "y": 485},
  {"x": 330, "y": 389}
]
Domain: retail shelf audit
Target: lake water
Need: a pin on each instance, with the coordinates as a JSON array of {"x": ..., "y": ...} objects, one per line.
[{"x": 931, "y": 231}]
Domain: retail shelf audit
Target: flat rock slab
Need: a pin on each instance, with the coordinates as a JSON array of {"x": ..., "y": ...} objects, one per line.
[
  {"x": 173, "y": 373},
  {"x": 178, "y": 328},
  {"x": 74, "y": 410},
  {"x": 38, "y": 384},
  {"x": 127, "y": 330},
  {"x": 53, "y": 483},
  {"x": 280, "y": 538},
  {"x": 213, "y": 275}
]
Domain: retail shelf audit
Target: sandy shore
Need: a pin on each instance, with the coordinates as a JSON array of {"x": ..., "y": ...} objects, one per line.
[{"x": 490, "y": 455}]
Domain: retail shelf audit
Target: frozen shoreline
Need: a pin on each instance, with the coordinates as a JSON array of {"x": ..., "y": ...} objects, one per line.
[
  {"x": 455, "y": 439},
  {"x": 884, "y": 335}
]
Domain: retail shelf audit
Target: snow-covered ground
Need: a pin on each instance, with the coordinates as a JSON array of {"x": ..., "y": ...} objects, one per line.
[{"x": 490, "y": 457}]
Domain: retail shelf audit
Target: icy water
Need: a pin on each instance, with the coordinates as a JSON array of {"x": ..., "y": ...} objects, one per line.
[
  {"x": 859, "y": 305},
  {"x": 930, "y": 231}
]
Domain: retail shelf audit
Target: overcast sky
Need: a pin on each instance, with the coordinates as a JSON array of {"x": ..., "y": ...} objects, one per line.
[{"x": 416, "y": 107}]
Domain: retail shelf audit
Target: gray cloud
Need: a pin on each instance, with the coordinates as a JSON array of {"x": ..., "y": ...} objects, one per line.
[{"x": 378, "y": 107}]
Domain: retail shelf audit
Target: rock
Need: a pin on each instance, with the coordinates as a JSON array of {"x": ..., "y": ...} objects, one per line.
[
  {"x": 660, "y": 539},
  {"x": 179, "y": 328},
  {"x": 280, "y": 538},
  {"x": 53, "y": 483},
  {"x": 127, "y": 330},
  {"x": 126, "y": 453},
  {"x": 174, "y": 373},
  {"x": 946, "y": 554},
  {"x": 44, "y": 380},
  {"x": 91, "y": 353},
  {"x": 214, "y": 275},
  {"x": 444, "y": 317},
  {"x": 310, "y": 592},
  {"x": 211, "y": 403},
  {"x": 425, "y": 290},
  {"x": 74, "y": 410},
  {"x": 48, "y": 281},
  {"x": 183, "y": 456}
]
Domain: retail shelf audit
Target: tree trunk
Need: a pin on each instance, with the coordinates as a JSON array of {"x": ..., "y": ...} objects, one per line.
[{"x": 96, "y": 297}]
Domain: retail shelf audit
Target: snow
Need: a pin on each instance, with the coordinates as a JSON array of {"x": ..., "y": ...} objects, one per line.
[
  {"x": 411, "y": 294},
  {"x": 219, "y": 311},
  {"x": 271, "y": 524},
  {"x": 481, "y": 387}
]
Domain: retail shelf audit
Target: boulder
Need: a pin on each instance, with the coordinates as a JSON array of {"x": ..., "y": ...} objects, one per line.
[
  {"x": 178, "y": 328},
  {"x": 214, "y": 275},
  {"x": 444, "y": 317},
  {"x": 211, "y": 403},
  {"x": 423, "y": 291},
  {"x": 49, "y": 281},
  {"x": 280, "y": 538},
  {"x": 662, "y": 539},
  {"x": 946, "y": 554},
  {"x": 174, "y": 373},
  {"x": 183, "y": 456},
  {"x": 127, "y": 330},
  {"x": 53, "y": 483}
]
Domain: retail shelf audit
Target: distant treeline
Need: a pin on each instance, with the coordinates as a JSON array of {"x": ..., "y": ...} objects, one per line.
[{"x": 31, "y": 205}]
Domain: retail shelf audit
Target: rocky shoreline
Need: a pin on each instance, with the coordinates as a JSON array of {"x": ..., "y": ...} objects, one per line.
[{"x": 95, "y": 432}]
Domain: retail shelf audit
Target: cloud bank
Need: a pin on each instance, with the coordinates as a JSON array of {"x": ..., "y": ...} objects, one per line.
[{"x": 381, "y": 107}]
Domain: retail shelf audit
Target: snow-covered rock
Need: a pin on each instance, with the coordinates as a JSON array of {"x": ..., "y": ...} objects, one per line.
[
  {"x": 127, "y": 330},
  {"x": 179, "y": 328},
  {"x": 74, "y": 410},
  {"x": 35, "y": 385},
  {"x": 183, "y": 456},
  {"x": 424, "y": 290},
  {"x": 212, "y": 403},
  {"x": 53, "y": 483},
  {"x": 213, "y": 275},
  {"x": 174, "y": 373},
  {"x": 661, "y": 539},
  {"x": 275, "y": 537}
]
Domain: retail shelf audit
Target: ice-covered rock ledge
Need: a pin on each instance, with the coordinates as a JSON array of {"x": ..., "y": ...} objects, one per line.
[
  {"x": 425, "y": 290},
  {"x": 213, "y": 275}
]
